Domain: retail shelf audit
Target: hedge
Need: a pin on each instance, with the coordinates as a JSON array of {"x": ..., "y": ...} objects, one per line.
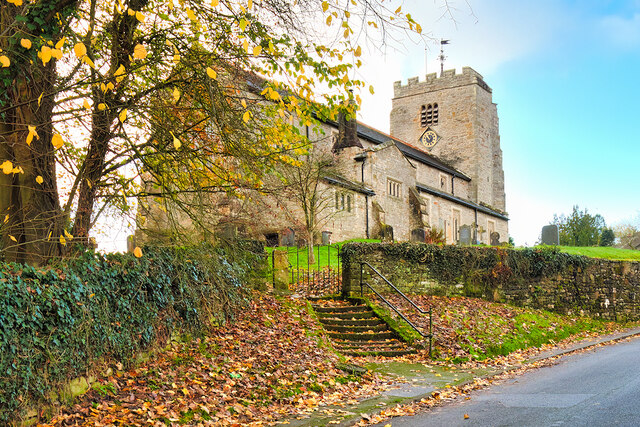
[
  {"x": 483, "y": 268},
  {"x": 56, "y": 322}
]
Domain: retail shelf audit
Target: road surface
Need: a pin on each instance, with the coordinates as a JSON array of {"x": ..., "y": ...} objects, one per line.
[{"x": 600, "y": 387}]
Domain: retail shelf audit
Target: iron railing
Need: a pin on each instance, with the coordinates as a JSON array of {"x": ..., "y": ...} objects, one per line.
[
  {"x": 393, "y": 307},
  {"x": 322, "y": 275}
]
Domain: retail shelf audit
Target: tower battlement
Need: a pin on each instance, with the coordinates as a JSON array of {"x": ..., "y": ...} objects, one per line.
[{"x": 447, "y": 80}]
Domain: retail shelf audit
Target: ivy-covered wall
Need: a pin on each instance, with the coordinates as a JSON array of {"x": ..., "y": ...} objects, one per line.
[
  {"x": 55, "y": 322},
  {"x": 539, "y": 278}
]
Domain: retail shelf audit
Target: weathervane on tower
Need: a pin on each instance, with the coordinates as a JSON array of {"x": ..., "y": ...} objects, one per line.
[{"x": 442, "y": 57}]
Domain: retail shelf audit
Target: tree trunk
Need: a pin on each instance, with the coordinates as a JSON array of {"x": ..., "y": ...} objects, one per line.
[
  {"x": 122, "y": 47},
  {"x": 92, "y": 174},
  {"x": 312, "y": 256},
  {"x": 31, "y": 213}
]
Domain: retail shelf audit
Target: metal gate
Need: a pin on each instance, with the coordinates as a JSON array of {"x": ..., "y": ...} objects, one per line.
[{"x": 323, "y": 277}]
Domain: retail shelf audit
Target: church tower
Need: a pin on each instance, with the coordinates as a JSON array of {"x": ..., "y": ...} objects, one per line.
[{"x": 460, "y": 110}]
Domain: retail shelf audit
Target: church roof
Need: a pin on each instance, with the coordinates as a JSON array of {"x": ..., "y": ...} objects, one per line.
[
  {"x": 348, "y": 184},
  {"x": 378, "y": 137},
  {"x": 464, "y": 202}
]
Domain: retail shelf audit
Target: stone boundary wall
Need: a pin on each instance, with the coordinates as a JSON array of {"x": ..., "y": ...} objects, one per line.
[{"x": 536, "y": 278}]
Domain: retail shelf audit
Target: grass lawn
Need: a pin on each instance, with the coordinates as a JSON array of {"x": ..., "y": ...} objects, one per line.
[
  {"x": 328, "y": 255},
  {"x": 325, "y": 255},
  {"x": 602, "y": 252}
]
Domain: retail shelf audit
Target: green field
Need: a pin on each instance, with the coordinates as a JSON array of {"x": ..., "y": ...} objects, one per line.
[
  {"x": 602, "y": 252},
  {"x": 328, "y": 255},
  {"x": 324, "y": 255}
]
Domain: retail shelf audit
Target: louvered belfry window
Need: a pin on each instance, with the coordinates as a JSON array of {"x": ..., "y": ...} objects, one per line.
[{"x": 429, "y": 115}]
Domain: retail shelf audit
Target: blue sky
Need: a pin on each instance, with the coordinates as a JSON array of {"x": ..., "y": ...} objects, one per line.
[{"x": 566, "y": 78}]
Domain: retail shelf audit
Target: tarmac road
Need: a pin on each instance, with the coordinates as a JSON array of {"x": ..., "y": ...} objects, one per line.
[{"x": 600, "y": 387}]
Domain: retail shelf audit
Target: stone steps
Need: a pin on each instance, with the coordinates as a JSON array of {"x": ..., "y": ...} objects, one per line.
[
  {"x": 347, "y": 315},
  {"x": 350, "y": 322},
  {"x": 355, "y": 330}
]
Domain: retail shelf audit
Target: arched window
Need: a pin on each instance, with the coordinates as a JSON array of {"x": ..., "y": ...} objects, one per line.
[{"x": 423, "y": 116}]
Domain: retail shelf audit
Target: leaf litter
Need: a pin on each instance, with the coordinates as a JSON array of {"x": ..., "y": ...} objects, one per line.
[{"x": 266, "y": 366}]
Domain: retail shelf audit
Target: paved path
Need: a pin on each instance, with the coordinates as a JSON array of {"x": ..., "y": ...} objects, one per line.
[{"x": 600, "y": 387}]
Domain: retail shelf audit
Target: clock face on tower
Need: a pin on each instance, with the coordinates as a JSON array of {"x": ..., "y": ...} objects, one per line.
[{"x": 429, "y": 138}]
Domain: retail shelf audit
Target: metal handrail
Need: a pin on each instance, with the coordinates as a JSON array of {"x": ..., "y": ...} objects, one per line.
[{"x": 393, "y": 307}]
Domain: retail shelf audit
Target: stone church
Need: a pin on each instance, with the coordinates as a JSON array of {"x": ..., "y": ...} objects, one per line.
[{"x": 439, "y": 171}]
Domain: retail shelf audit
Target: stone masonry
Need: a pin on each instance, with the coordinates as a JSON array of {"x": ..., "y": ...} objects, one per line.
[
  {"x": 467, "y": 124},
  {"x": 599, "y": 288}
]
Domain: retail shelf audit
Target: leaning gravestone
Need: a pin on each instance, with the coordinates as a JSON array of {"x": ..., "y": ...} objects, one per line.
[
  {"x": 550, "y": 235},
  {"x": 465, "y": 235},
  {"x": 494, "y": 238},
  {"x": 326, "y": 238}
]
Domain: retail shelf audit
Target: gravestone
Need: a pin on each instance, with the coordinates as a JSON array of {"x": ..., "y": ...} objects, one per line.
[
  {"x": 494, "y": 238},
  {"x": 326, "y": 238},
  {"x": 228, "y": 231},
  {"x": 465, "y": 235},
  {"x": 288, "y": 237},
  {"x": 280, "y": 270},
  {"x": 418, "y": 235},
  {"x": 550, "y": 235},
  {"x": 386, "y": 233}
]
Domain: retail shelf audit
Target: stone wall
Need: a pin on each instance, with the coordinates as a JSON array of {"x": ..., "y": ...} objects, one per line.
[{"x": 544, "y": 279}]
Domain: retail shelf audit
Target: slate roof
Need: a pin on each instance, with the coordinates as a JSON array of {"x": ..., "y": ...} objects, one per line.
[
  {"x": 464, "y": 202},
  {"x": 377, "y": 137}
]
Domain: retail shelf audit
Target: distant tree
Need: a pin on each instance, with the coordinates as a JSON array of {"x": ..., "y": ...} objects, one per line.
[
  {"x": 580, "y": 228},
  {"x": 607, "y": 237},
  {"x": 627, "y": 227}
]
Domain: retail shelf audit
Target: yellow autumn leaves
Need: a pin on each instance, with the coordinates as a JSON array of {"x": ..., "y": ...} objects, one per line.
[
  {"x": 47, "y": 53},
  {"x": 63, "y": 240},
  {"x": 80, "y": 50},
  {"x": 176, "y": 142},
  {"x": 7, "y": 168},
  {"x": 56, "y": 139},
  {"x": 32, "y": 134},
  {"x": 139, "y": 52}
]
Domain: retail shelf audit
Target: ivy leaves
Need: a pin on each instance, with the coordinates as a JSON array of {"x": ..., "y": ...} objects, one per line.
[{"x": 56, "y": 322}]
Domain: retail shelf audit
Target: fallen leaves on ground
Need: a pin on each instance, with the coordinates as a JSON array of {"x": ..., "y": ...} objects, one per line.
[
  {"x": 265, "y": 366},
  {"x": 472, "y": 328}
]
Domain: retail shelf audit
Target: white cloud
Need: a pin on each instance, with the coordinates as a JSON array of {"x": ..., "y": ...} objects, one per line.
[{"x": 623, "y": 32}]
